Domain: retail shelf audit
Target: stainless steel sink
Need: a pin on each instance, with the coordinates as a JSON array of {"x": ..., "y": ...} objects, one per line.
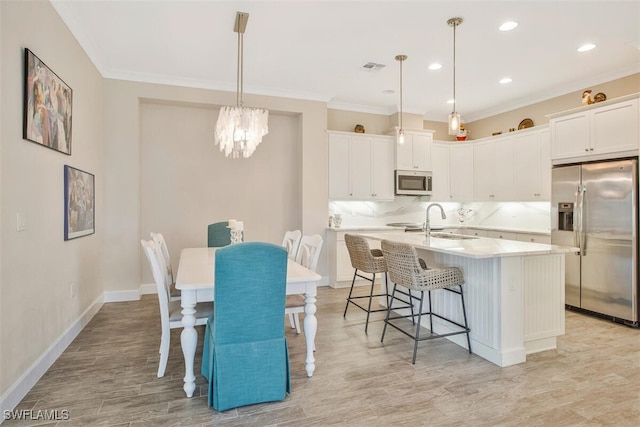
[
  {"x": 452, "y": 236},
  {"x": 413, "y": 226}
]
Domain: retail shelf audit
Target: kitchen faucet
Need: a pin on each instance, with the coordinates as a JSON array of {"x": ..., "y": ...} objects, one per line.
[{"x": 427, "y": 224}]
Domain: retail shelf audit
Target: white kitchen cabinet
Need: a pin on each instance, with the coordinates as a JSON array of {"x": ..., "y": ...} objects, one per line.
[
  {"x": 474, "y": 232},
  {"x": 532, "y": 161},
  {"x": 440, "y": 170},
  {"x": 461, "y": 172},
  {"x": 507, "y": 235},
  {"x": 360, "y": 166},
  {"x": 534, "y": 238},
  {"x": 596, "y": 131},
  {"x": 493, "y": 170},
  {"x": 570, "y": 135},
  {"x": 339, "y": 166},
  {"x": 614, "y": 128},
  {"x": 415, "y": 152},
  {"x": 483, "y": 165}
]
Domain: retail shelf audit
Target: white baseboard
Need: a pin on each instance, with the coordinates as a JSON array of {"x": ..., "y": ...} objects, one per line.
[
  {"x": 30, "y": 377},
  {"x": 148, "y": 288},
  {"x": 120, "y": 296}
]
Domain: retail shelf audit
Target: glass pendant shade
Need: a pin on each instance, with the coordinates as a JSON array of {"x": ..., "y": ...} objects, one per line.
[
  {"x": 454, "y": 117},
  {"x": 454, "y": 123},
  {"x": 239, "y": 130},
  {"x": 401, "y": 137}
]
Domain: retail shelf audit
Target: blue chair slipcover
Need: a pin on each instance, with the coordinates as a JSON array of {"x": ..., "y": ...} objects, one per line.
[
  {"x": 218, "y": 235},
  {"x": 245, "y": 356}
]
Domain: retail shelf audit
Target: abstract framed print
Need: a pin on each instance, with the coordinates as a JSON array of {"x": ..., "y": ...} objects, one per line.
[
  {"x": 79, "y": 203},
  {"x": 47, "y": 106}
]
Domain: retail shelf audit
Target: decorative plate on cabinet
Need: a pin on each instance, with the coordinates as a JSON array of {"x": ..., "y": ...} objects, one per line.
[{"x": 526, "y": 123}]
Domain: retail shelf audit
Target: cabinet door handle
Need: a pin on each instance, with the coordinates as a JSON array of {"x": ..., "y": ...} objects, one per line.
[
  {"x": 590, "y": 149},
  {"x": 586, "y": 149}
]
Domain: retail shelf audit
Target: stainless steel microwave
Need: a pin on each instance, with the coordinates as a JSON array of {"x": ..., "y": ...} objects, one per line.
[{"x": 414, "y": 183}]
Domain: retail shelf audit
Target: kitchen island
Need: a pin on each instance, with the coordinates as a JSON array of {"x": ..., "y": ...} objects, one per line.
[{"x": 514, "y": 291}]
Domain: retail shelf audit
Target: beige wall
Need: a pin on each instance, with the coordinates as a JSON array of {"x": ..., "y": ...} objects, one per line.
[
  {"x": 378, "y": 123},
  {"x": 537, "y": 112},
  {"x": 186, "y": 183},
  {"x": 128, "y": 213},
  {"x": 38, "y": 268}
]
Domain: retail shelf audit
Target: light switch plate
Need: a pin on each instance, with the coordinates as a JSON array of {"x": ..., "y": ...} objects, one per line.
[{"x": 21, "y": 222}]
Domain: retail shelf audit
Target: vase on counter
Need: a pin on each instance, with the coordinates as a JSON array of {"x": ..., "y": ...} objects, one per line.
[{"x": 337, "y": 220}]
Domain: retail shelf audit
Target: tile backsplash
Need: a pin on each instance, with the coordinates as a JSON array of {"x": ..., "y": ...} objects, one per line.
[{"x": 532, "y": 216}]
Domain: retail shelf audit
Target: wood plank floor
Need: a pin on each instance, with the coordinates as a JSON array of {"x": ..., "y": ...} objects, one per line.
[{"x": 107, "y": 377}]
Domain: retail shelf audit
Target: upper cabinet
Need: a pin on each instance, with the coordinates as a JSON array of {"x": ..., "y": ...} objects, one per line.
[
  {"x": 440, "y": 169},
  {"x": 460, "y": 172},
  {"x": 360, "y": 166},
  {"x": 604, "y": 130},
  {"x": 532, "y": 165},
  {"x": 415, "y": 152},
  {"x": 493, "y": 170},
  {"x": 452, "y": 171}
]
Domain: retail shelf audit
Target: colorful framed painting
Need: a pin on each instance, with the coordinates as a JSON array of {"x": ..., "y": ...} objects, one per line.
[
  {"x": 47, "y": 106},
  {"x": 79, "y": 203}
]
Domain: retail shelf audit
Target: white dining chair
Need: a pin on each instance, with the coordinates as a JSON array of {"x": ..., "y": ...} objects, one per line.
[
  {"x": 170, "y": 311},
  {"x": 165, "y": 263},
  {"x": 291, "y": 242},
  {"x": 307, "y": 256}
]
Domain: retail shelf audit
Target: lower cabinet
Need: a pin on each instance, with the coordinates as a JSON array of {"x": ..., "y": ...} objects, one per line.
[
  {"x": 474, "y": 232},
  {"x": 533, "y": 238},
  {"x": 507, "y": 235}
]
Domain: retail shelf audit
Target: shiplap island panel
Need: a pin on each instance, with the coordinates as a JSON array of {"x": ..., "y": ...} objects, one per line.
[{"x": 514, "y": 292}]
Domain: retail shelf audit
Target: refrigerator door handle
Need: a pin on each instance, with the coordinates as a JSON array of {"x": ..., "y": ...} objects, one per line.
[
  {"x": 583, "y": 234},
  {"x": 576, "y": 225}
]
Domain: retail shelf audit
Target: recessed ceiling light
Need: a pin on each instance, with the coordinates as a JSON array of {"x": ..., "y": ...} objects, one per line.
[
  {"x": 435, "y": 66},
  {"x": 586, "y": 47},
  {"x": 450, "y": 101},
  {"x": 505, "y": 80},
  {"x": 508, "y": 26}
]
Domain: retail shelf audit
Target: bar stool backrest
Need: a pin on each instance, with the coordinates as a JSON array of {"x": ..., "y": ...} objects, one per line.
[{"x": 362, "y": 257}]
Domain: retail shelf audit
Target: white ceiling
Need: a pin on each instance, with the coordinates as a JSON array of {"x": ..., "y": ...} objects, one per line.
[{"x": 316, "y": 49}]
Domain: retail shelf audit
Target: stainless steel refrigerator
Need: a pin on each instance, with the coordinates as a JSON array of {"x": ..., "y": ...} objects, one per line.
[{"x": 594, "y": 207}]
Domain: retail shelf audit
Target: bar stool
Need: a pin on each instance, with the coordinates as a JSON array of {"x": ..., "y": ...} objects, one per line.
[
  {"x": 366, "y": 260},
  {"x": 407, "y": 270}
]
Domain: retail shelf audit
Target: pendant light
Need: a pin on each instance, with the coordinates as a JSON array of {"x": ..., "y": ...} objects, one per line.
[
  {"x": 401, "y": 59},
  {"x": 454, "y": 117},
  {"x": 239, "y": 129}
]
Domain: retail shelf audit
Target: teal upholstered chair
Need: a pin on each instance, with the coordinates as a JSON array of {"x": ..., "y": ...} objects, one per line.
[
  {"x": 245, "y": 357},
  {"x": 218, "y": 235}
]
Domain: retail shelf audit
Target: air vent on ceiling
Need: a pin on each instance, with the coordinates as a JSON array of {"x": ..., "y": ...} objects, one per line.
[{"x": 372, "y": 66}]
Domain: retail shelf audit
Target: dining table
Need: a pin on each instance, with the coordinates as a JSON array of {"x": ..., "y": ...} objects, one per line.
[{"x": 195, "y": 280}]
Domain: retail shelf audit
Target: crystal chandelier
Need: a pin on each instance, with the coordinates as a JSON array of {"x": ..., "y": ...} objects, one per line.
[
  {"x": 240, "y": 129},
  {"x": 454, "y": 117}
]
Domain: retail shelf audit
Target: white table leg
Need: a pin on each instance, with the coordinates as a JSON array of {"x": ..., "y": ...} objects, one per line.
[
  {"x": 310, "y": 328},
  {"x": 189, "y": 339}
]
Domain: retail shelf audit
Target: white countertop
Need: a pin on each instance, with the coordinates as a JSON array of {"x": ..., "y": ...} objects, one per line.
[
  {"x": 364, "y": 228},
  {"x": 465, "y": 226},
  {"x": 476, "y": 247}
]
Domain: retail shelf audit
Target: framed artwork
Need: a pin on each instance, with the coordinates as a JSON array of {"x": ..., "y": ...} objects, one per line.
[
  {"x": 79, "y": 203},
  {"x": 47, "y": 106}
]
